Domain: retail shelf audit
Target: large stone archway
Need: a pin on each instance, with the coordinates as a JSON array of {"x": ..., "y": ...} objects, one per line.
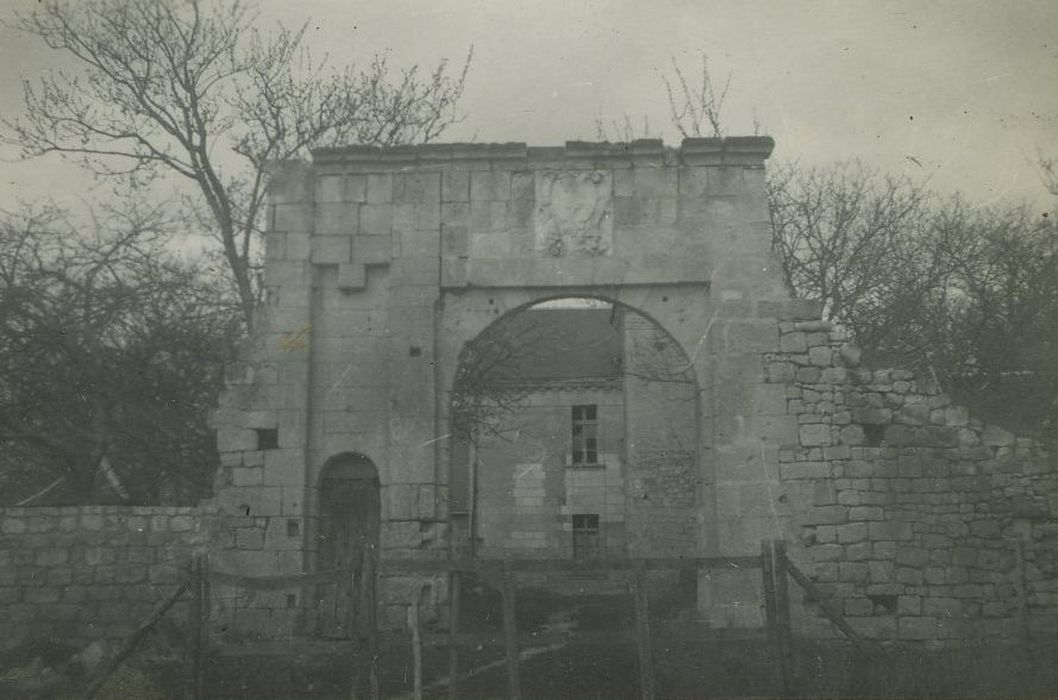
[
  {"x": 383, "y": 263},
  {"x": 525, "y": 384}
]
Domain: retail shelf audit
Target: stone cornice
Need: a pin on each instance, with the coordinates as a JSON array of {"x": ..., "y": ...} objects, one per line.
[{"x": 745, "y": 151}]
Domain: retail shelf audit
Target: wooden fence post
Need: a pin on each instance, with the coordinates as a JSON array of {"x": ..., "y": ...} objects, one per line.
[
  {"x": 369, "y": 572},
  {"x": 510, "y": 634},
  {"x": 454, "y": 593},
  {"x": 1021, "y": 588},
  {"x": 767, "y": 573},
  {"x": 782, "y": 599},
  {"x": 197, "y": 613},
  {"x": 416, "y": 647},
  {"x": 835, "y": 618},
  {"x": 777, "y": 604},
  {"x": 644, "y": 647}
]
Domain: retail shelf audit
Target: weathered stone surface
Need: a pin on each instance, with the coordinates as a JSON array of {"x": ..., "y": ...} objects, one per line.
[
  {"x": 875, "y": 473},
  {"x": 814, "y": 435},
  {"x": 574, "y": 213}
]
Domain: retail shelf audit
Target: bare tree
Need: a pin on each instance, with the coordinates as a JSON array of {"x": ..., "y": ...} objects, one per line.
[
  {"x": 192, "y": 88},
  {"x": 110, "y": 348},
  {"x": 1002, "y": 314},
  {"x": 968, "y": 295},
  {"x": 480, "y": 396},
  {"x": 847, "y": 236},
  {"x": 696, "y": 108}
]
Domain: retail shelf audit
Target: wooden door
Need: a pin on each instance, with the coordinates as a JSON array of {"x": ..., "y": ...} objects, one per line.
[{"x": 348, "y": 537}]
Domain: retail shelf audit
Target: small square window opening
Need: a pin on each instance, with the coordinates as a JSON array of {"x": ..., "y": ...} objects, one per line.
[{"x": 267, "y": 438}]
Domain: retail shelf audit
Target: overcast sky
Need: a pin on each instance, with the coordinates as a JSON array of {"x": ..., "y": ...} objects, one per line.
[{"x": 963, "y": 92}]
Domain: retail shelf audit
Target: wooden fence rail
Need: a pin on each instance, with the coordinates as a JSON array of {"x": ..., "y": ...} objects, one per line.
[
  {"x": 481, "y": 566},
  {"x": 773, "y": 562},
  {"x": 816, "y": 596},
  {"x": 133, "y": 641}
]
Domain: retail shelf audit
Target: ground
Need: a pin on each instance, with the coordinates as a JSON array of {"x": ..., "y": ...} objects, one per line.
[{"x": 577, "y": 647}]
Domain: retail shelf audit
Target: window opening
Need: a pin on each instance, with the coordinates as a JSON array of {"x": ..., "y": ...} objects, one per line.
[
  {"x": 586, "y": 541},
  {"x": 585, "y": 435},
  {"x": 267, "y": 438},
  {"x": 874, "y": 435}
]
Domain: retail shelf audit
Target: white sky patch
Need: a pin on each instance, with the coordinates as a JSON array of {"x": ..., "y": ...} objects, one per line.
[
  {"x": 573, "y": 303},
  {"x": 832, "y": 81}
]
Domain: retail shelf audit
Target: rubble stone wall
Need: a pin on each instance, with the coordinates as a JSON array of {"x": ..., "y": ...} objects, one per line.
[
  {"x": 77, "y": 574},
  {"x": 918, "y": 520}
]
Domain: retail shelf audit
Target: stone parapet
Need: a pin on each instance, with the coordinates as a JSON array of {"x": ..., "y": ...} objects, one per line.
[{"x": 730, "y": 151}]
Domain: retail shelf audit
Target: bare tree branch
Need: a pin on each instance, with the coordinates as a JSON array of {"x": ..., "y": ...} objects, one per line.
[
  {"x": 109, "y": 345},
  {"x": 967, "y": 294},
  {"x": 164, "y": 84},
  {"x": 696, "y": 111}
]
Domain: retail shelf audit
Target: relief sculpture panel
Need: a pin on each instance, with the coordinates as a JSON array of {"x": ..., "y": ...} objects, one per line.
[{"x": 574, "y": 213}]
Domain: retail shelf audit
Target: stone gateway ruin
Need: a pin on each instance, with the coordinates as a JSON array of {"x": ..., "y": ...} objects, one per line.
[{"x": 489, "y": 351}]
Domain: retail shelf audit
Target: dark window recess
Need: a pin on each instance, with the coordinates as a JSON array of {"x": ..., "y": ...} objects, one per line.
[
  {"x": 585, "y": 429},
  {"x": 874, "y": 434},
  {"x": 883, "y": 604},
  {"x": 587, "y": 543},
  {"x": 267, "y": 438},
  {"x": 293, "y": 528},
  {"x": 414, "y": 351},
  {"x": 292, "y": 600}
]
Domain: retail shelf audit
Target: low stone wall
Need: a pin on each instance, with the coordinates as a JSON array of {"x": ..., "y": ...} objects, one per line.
[
  {"x": 77, "y": 574},
  {"x": 922, "y": 522}
]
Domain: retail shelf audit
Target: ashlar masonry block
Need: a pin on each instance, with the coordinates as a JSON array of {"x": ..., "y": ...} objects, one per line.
[
  {"x": 750, "y": 337},
  {"x": 490, "y": 186},
  {"x": 298, "y": 245},
  {"x": 371, "y": 249},
  {"x": 352, "y": 276},
  {"x": 291, "y": 218},
  {"x": 379, "y": 188},
  {"x": 455, "y": 186},
  {"x": 337, "y": 219},
  {"x": 376, "y": 219},
  {"x": 330, "y": 188},
  {"x": 331, "y": 250},
  {"x": 417, "y": 187},
  {"x": 284, "y": 467}
]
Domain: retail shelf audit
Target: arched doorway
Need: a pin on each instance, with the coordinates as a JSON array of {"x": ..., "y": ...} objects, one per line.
[{"x": 349, "y": 519}]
